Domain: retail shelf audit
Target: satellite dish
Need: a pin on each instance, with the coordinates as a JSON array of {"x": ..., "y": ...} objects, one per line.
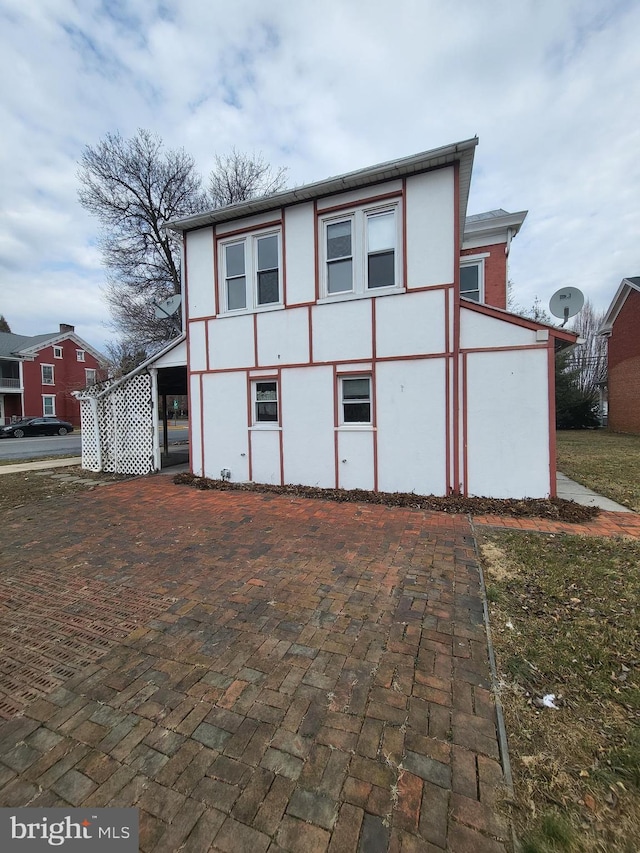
[
  {"x": 168, "y": 307},
  {"x": 566, "y": 302}
]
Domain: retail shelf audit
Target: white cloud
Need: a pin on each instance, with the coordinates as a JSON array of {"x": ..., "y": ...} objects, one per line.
[{"x": 550, "y": 88}]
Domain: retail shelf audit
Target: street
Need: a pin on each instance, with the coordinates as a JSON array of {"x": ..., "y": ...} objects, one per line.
[{"x": 64, "y": 445}]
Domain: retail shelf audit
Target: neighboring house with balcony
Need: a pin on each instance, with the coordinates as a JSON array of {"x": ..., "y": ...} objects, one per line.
[
  {"x": 352, "y": 333},
  {"x": 621, "y": 325},
  {"x": 38, "y": 373}
]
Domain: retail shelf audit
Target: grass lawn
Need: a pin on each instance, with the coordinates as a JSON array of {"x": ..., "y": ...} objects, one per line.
[
  {"x": 564, "y": 615},
  {"x": 607, "y": 462}
]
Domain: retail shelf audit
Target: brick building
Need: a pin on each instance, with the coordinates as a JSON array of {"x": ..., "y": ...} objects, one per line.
[
  {"x": 622, "y": 327},
  {"x": 38, "y": 374}
]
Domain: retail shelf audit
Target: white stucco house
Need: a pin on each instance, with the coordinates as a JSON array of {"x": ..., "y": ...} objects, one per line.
[{"x": 352, "y": 333}]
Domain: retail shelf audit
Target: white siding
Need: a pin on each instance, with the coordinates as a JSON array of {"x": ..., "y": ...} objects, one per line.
[
  {"x": 410, "y": 323},
  {"x": 431, "y": 253},
  {"x": 257, "y": 222},
  {"x": 195, "y": 443},
  {"x": 308, "y": 426},
  {"x": 508, "y": 424},
  {"x": 300, "y": 261},
  {"x": 200, "y": 276},
  {"x": 356, "y": 196},
  {"x": 355, "y": 459},
  {"x": 478, "y": 330},
  {"x": 342, "y": 331},
  {"x": 226, "y": 443},
  {"x": 176, "y": 357},
  {"x": 197, "y": 346},
  {"x": 411, "y": 426},
  {"x": 265, "y": 456},
  {"x": 283, "y": 337},
  {"x": 231, "y": 342}
]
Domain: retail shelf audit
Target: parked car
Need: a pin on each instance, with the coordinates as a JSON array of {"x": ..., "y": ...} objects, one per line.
[{"x": 36, "y": 426}]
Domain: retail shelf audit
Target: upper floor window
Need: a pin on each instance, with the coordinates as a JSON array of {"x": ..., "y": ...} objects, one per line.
[
  {"x": 57, "y": 352},
  {"x": 251, "y": 272},
  {"x": 90, "y": 376},
  {"x": 360, "y": 250},
  {"x": 80, "y": 355},
  {"x": 47, "y": 374},
  {"x": 472, "y": 280}
]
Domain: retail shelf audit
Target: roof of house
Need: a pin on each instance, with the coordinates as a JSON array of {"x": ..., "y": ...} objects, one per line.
[
  {"x": 461, "y": 152},
  {"x": 492, "y": 226},
  {"x": 22, "y": 346},
  {"x": 626, "y": 286}
]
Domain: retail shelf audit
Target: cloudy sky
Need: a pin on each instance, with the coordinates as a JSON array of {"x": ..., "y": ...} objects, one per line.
[{"x": 551, "y": 88}]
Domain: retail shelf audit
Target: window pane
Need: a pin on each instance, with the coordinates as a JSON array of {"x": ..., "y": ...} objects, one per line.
[
  {"x": 339, "y": 240},
  {"x": 469, "y": 278},
  {"x": 235, "y": 259},
  {"x": 266, "y": 391},
  {"x": 355, "y": 389},
  {"x": 382, "y": 270},
  {"x": 382, "y": 231},
  {"x": 268, "y": 290},
  {"x": 268, "y": 253},
  {"x": 236, "y": 294},
  {"x": 340, "y": 277},
  {"x": 357, "y": 413}
]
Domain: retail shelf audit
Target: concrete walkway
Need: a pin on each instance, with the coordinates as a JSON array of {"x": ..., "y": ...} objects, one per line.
[
  {"x": 40, "y": 465},
  {"x": 572, "y": 491}
]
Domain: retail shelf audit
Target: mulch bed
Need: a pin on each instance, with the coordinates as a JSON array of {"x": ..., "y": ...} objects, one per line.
[{"x": 553, "y": 508}]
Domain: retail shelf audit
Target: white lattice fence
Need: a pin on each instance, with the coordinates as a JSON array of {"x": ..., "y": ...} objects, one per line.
[{"x": 124, "y": 416}]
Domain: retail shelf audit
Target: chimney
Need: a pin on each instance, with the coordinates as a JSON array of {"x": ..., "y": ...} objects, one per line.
[{"x": 65, "y": 327}]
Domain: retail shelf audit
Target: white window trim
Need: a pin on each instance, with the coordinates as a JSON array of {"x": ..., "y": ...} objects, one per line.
[
  {"x": 264, "y": 425},
  {"x": 57, "y": 352},
  {"x": 354, "y": 425},
  {"x": 358, "y": 216},
  {"x": 92, "y": 370},
  {"x": 250, "y": 241},
  {"x": 80, "y": 355},
  {"x": 475, "y": 261},
  {"x": 46, "y": 414},
  {"x": 53, "y": 375}
]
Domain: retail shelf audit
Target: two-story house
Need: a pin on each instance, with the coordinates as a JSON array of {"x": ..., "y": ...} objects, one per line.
[
  {"x": 38, "y": 373},
  {"x": 352, "y": 333},
  {"x": 620, "y": 325}
]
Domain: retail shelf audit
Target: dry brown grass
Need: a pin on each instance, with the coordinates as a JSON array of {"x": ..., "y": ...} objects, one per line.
[
  {"x": 607, "y": 462},
  {"x": 571, "y": 603}
]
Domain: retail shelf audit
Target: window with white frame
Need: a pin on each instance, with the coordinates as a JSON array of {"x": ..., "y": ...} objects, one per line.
[
  {"x": 48, "y": 405},
  {"x": 47, "y": 374},
  {"x": 361, "y": 250},
  {"x": 80, "y": 355},
  {"x": 57, "y": 352},
  {"x": 472, "y": 279},
  {"x": 251, "y": 272},
  {"x": 89, "y": 376},
  {"x": 265, "y": 401},
  {"x": 355, "y": 399}
]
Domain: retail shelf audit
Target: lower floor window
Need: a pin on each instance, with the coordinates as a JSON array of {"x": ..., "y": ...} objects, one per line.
[
  {"x": 356, "y": 399},
  {"x": 265, "y": 398},
  {"x": 48, "y": 404},
  {"x": 90, "y": 376}
]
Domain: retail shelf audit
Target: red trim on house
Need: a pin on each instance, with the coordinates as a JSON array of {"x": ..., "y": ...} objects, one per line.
[
  {"x": 249, "y": 229},
  {"x": 185, "y": 308},
  {"x": 444, "y": 286},
  {"x": 552, "y": 417},
  {"x": 374, "y": 401},
  {"x": 465, "y": 434},
  {"x": 349, "y": 205},
  {"x": 335, "y": 426},
  {"x": 508, "y": 348},
  {"x": 447, "y": 396},
  {"x": 284, "y": 259},
  {"x": 202, "y": 425},
  {"x": 456, "y": 328}
]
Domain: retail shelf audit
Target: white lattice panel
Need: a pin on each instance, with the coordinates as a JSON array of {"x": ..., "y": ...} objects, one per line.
[{"x": 125, "y": 428}]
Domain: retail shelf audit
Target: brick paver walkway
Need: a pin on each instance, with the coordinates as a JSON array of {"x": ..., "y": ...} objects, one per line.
[{"x": 252, "y": 672}]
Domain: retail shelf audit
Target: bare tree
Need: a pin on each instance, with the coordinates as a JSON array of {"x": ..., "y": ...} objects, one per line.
[
  {"x": 4, "y": 326},
  {"x": 589, "y": 360},
  {"x": 239, "y": 177},
  {"x": 133, "y": 187}
]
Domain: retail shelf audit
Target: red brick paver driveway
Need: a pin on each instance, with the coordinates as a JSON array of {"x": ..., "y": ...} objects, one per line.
[{"x": 252, "y": 672}]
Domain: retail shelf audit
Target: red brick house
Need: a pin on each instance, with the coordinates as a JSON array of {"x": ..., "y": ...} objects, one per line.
[
  {"x": 38, "y": 374},
  {"x": 484, "y": 255},
  {"x": 622, "y": 327}
]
